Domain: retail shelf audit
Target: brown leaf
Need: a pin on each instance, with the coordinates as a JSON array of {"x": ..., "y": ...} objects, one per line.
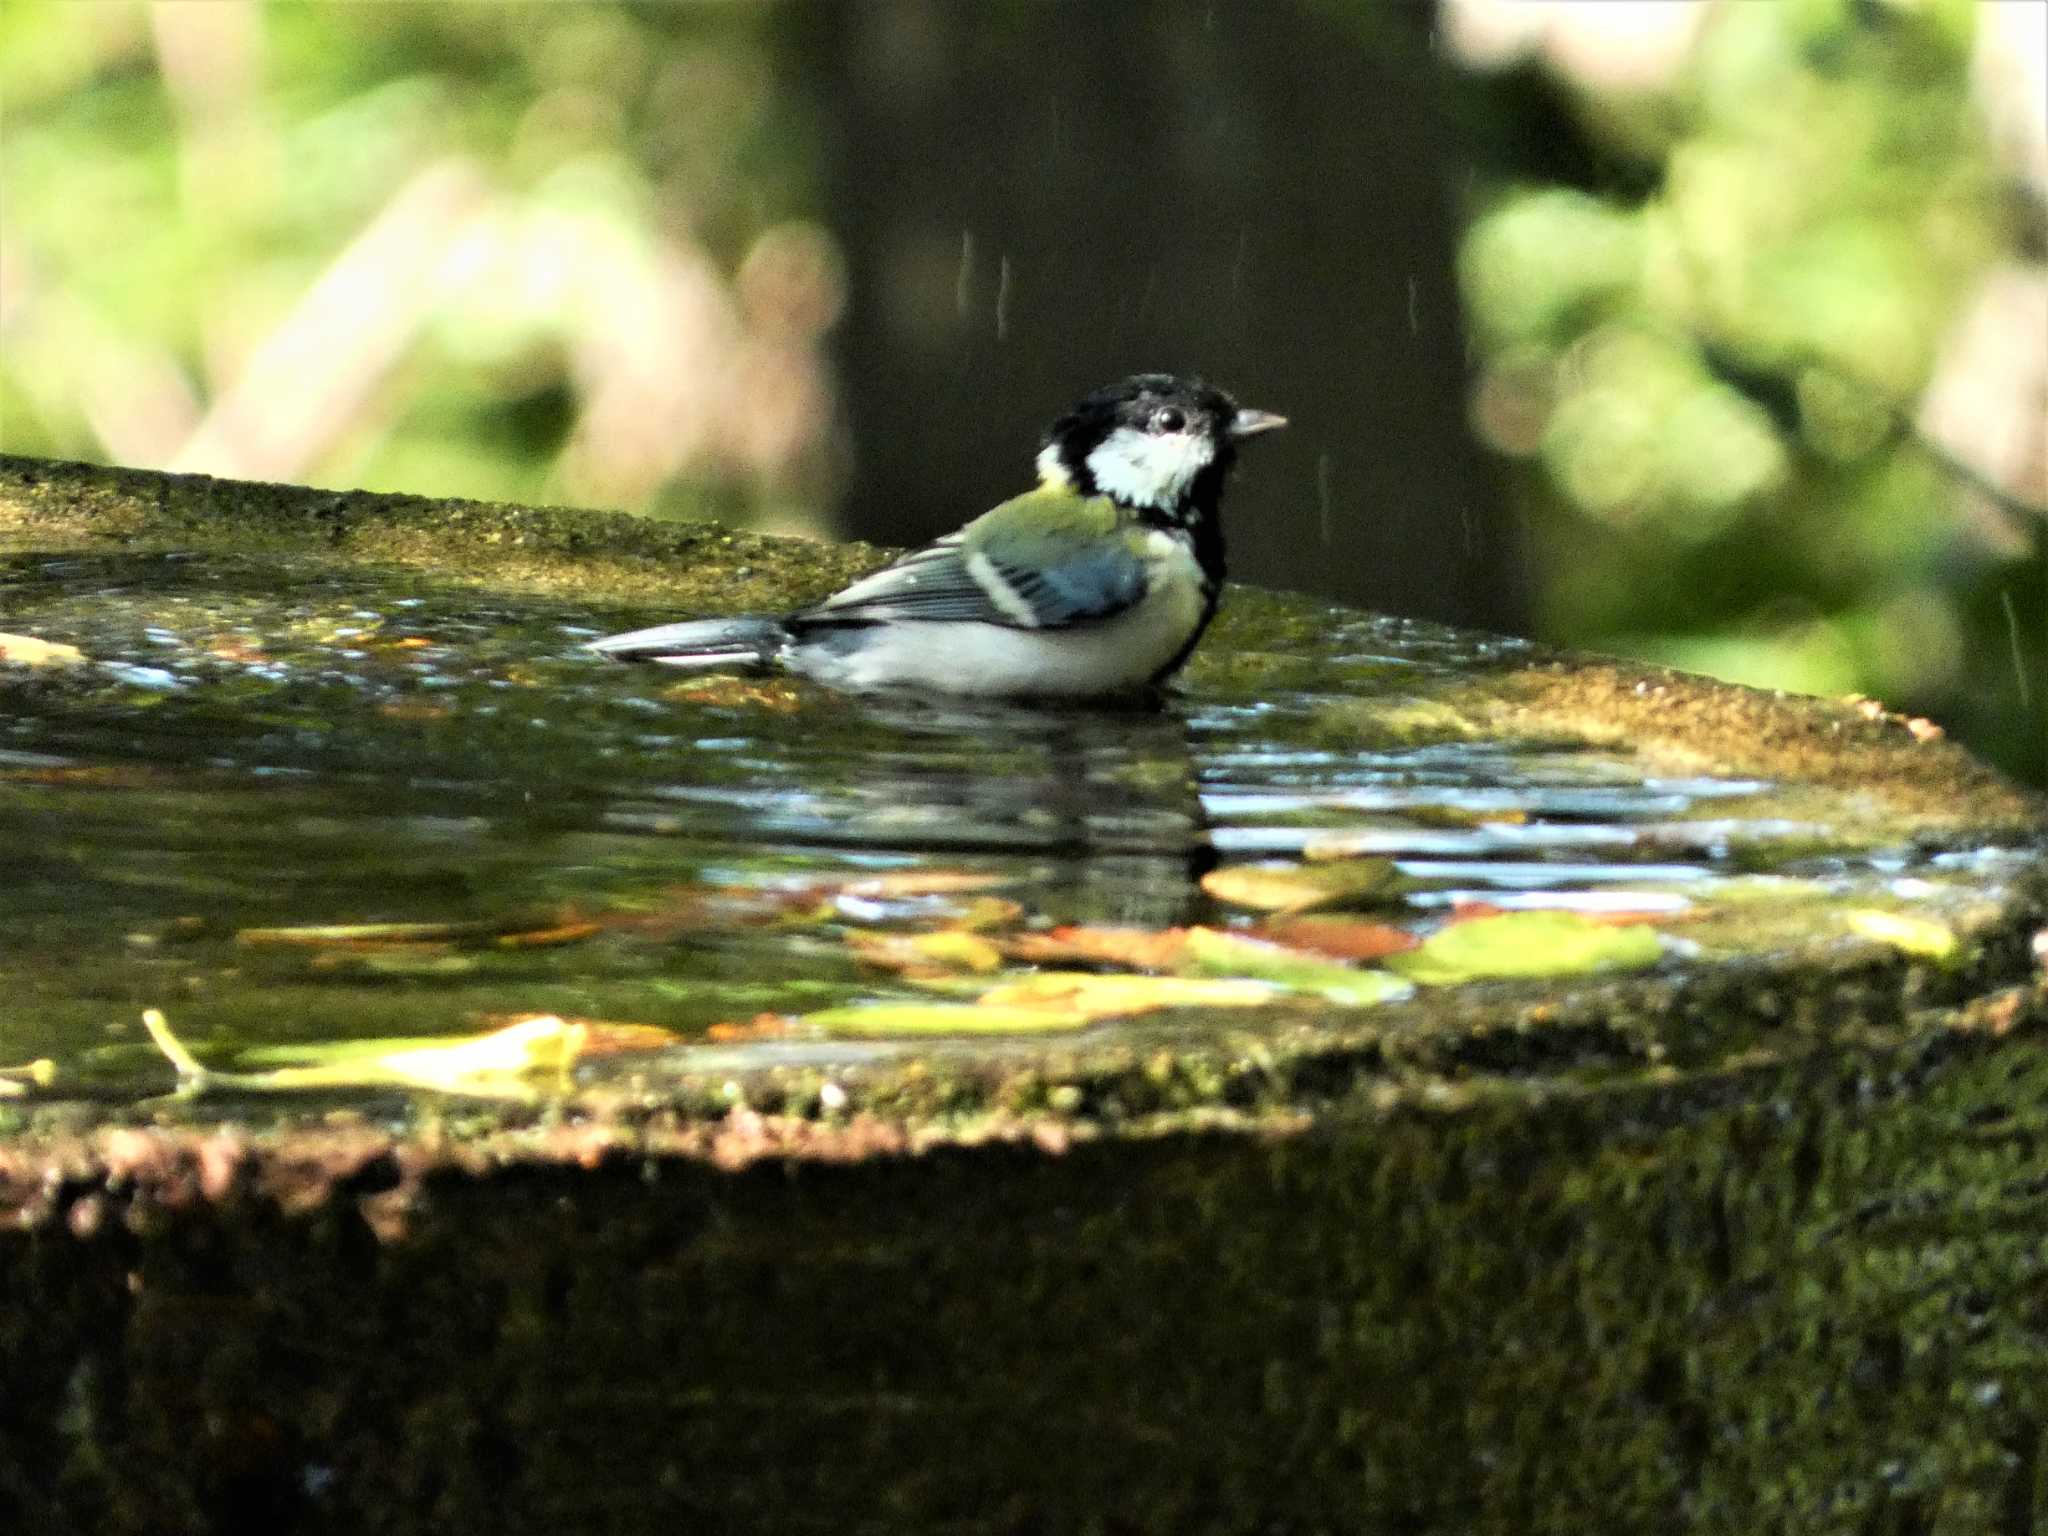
[
  {"x": 763, "y": 1026},
  {"x": 504, "y": 933},
  {"x": 1337, "y": 938},
  {"x": 546, "y": 938},
  {"x": 918, "y": 955},
  {"x": 1137, "y": 949}
]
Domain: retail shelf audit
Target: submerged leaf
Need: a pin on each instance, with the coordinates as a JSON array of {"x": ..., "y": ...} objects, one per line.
[
  {"x": 510, "y": 932},
  {"x": 1230, "y": 954},
  {"x": 1303, "y": 887},
  {"x": 16, "y": 1081},
  {"x": 27, "y": 651},
  {"x": 944, "y": 1019},
  {"x": 763, "y": 1026},
  {"x": 1338, "y": 938},
  {"x": 1140, "y": 949},
  {"x": 1613, "y": 917},
  {"x": 605, "y": 1037},
  {"x": 1526, "y": 944},
  {"x": 1912, "y": 935},
  {"x": 500, "y": 1064},
  {"x": 926, "y": 954},
  {"x": 1096, "y": 996},
  {"x": 547, "y": 938}
]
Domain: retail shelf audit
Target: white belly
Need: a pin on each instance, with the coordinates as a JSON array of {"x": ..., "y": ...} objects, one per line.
[{"x": 1114, "y": 655}]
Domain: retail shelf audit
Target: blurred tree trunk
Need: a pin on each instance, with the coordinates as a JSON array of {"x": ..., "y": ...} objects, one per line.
[{"x": 1260, "y": 193}]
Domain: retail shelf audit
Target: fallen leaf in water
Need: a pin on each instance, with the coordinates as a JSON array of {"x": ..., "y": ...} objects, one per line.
[
  {"x": 1138, "y": 949},
  {"x": 945, "y": 1019},
  {"x": 926, "y": 954},
  {"x": 601, "y": 1037},
  {"x": 397, "y": 960},
  {"x": 1468, "y": 911},
  {"x": 27, "y": 651},
  {"x": 1337, "y": 938},
  {"x": 16, "y": 1081},
  {"x": 1303, "y": 887},
  {"x": 1229, "y": 954},
  {"x": 501, "y": 1064},
  {"x": 547, "y": 938},
  {"x": 763, "y": 1026},
  {"x": 318, "y": 935},
  {"x": 1096, "y": 996},
  {"x": 1526, "y": 944},
  {"x": 1912, "y": 935},
  {"x": 504, "y": 933}
]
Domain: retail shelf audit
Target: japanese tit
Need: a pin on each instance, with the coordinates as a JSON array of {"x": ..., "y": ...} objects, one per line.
[{"x": 1097, "y": 583}]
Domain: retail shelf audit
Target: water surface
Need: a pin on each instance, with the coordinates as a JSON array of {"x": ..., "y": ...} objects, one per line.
[{"x": 269, "y": 742}]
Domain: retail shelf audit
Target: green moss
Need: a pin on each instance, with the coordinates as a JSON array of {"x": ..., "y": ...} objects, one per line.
[{"x": 598, "y": 556}]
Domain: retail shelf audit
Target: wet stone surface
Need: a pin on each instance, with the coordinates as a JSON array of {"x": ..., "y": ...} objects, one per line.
[
  {"x": 1656, "y": 1142},
  {"x": 279, "y": 742}
]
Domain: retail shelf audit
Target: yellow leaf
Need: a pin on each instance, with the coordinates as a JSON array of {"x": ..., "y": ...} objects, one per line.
[
  {"x": 27, "y": 651},
  {"x": 1232, "y": 954},
  {"x": 1526, "y": 944},
  {"x": 320, "y": 935},
  {"x": 16, "y": 1081},
  {"x": 944, "y": 1019},
  {"x": 1095, "y": 996},
  {"x": 501, "y": 1064},
  {"x": 1913, "y": 935}
]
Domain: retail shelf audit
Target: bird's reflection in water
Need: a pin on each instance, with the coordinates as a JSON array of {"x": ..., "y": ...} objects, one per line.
[{"x": 1105, "y": 795}]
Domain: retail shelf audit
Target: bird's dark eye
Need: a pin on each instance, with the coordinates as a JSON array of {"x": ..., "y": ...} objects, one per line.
[{"x": 1168, "y": 418}]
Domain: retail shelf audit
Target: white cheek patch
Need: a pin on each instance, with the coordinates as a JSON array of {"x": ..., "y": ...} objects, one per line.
[{"x": 1145, "y": 469}]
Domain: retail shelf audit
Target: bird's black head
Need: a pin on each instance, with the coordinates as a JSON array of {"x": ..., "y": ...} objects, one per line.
[{"x": 1155, "y": 442}]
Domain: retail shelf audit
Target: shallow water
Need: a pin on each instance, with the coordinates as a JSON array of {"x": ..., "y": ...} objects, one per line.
[{"x": 267, "y": 743}]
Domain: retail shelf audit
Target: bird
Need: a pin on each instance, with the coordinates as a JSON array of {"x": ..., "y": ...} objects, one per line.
[{"x": 1096, "y": 583}]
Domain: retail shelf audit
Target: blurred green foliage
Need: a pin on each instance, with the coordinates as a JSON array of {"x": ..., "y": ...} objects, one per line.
[
  {"x": 566, "y": 252},
  {"x": 1711, "y": 357},
  {"x": 181, "y": 180}
]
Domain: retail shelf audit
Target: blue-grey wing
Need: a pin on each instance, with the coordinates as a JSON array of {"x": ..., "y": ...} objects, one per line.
[{"x": 1043, "y": 561}]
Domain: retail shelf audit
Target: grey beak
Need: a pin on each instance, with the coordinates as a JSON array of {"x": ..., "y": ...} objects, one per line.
[{"x": 1250, "y": 423}]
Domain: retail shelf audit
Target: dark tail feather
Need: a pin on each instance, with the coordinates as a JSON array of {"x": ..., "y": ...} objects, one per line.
[{"x": 706, "y": 644}]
